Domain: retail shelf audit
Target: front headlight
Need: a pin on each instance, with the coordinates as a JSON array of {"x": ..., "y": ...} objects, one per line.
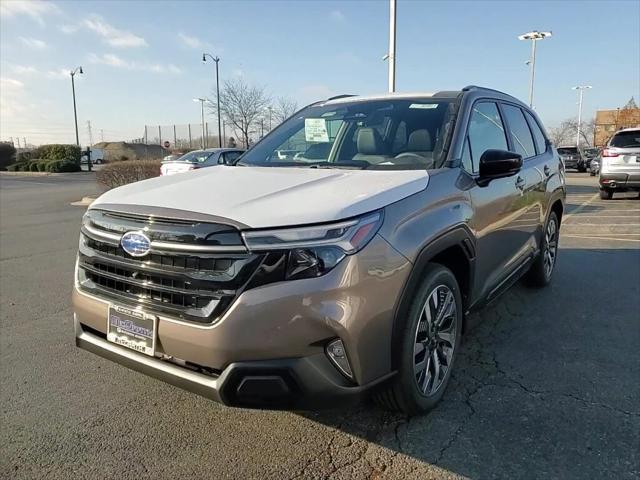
[{"x": 312, "y": 251}]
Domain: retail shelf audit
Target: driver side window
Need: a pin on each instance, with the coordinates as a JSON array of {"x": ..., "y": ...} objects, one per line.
[{"x": 486, "y": 131}]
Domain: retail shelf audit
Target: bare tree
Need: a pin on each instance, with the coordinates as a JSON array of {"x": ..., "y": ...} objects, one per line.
[
  {"x": 242, "y": 105},
  {"x": 284, "y": 108},
  {"x": 565, "y": 133}
]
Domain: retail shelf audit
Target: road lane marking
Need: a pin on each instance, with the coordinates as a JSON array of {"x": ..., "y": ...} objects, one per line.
[
  {"x": 580, "y": 207},
  {"x": 602, "y": 238}
]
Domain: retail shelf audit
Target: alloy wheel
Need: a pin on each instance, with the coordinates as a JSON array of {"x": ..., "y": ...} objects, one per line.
[
  {"x": 550, "y": 247},
  {"x": 435, "y": 340}
]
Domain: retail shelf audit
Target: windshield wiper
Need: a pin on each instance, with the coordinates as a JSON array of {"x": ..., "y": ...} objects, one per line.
[{"x": 360, "y": 164}]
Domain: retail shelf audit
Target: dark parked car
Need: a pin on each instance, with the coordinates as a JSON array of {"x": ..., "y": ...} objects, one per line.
[
  {"x": 573, "y": 158},
  {"x": 349, "y": 267}
]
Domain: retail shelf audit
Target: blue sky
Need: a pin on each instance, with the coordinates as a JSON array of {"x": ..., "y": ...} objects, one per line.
[{"x": 142, "y": 59}]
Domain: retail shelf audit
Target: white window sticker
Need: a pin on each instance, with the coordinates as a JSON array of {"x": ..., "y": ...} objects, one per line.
[
  {"x": 425, "y": 106},
  {"x": 315, "y": 130}
]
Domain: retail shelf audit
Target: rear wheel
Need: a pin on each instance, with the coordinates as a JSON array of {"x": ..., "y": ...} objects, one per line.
[
  {"x": 539, "y": 275},
  {"x": 606, "y": 194},
  {"x": 430, "y": 339}
]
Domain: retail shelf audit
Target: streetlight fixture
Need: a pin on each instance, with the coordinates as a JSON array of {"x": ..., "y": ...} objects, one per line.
[
  {"x": 73, "y": 90},
  {"x": 580, "y": 89},
  {"x": 534, "y": 36},
  {"x": 202, "y": 100},
  {"x": 216, "y": 59}
]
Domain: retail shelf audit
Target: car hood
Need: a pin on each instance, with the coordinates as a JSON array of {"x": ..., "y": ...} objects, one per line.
[{"x": 259, "y": 197}]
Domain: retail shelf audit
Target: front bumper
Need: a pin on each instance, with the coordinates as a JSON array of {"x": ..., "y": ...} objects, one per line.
[
  {"x": 619, "y": 181},
  {"x": 268, "y": 349},
  {"x": 293, "y": 383}
]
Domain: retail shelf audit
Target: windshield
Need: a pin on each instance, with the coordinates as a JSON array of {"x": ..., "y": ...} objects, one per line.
[
  {"x": 381, "y": 134},
  {"x": 197, "y": 156},
  {"x": 567, "y": 150},
  {"x": 626, "y": 139}
]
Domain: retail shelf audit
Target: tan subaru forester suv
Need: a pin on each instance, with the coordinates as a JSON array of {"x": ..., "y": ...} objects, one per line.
[{"x": 338, "y": 257}]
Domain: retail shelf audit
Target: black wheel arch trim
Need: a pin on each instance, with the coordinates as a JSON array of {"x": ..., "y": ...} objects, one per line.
[{"x": 458, "y": 235}]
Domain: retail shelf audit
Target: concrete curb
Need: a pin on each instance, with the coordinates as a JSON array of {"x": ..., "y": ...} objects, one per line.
[
  {"x": 85, "y": 202},
  {"x": 41, "y": 174}
]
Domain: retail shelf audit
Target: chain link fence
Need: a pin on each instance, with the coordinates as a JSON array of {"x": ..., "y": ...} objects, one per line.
[{"x": 184, "y": 137}]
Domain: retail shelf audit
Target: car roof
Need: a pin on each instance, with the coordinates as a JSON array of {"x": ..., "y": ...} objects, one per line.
[
  {"x": 448, "y": 94},
  {"x": 632, "y": 129}
]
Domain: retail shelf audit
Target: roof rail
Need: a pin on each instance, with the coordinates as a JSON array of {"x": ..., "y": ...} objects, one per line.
[
  {"x": 344, "y": 95},
  {"x": 476, "y": 87}
]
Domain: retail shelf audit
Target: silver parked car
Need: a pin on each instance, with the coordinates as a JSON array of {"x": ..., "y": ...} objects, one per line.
[
  {"x": 200, "y": 159},
  {"x": 620, "y": 164}
]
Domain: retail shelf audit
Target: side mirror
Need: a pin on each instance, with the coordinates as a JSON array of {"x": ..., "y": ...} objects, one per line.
[{"x": 499, "y": 164}]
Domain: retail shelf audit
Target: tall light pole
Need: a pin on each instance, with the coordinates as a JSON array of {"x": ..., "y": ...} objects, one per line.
[
  {"x": 391, "y": 55},
  {"x": 73, "y": 90},
  {"x": 216, "y": 59},
  {"x": 204, "y": 141},
  {"x": 534, "y": 37},
  {"x": 580, "y": 88}
]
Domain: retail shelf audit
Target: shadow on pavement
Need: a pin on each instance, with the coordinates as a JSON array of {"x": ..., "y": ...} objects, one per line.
[{"x": 545, "y": 385}]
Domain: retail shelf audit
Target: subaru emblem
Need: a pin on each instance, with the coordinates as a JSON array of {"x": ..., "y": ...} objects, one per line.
[{"x": 136, "y": 244}]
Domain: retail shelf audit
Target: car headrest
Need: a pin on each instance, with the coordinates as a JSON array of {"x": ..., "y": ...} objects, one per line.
[
  {"x": 369, "y": 141},
  {"x": 419, "y": 141}
]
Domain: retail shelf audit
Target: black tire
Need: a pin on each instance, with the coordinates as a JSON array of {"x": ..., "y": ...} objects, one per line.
[
  {"x": 606, "y": 194},
  {"x": 404, "y": 393},
  {"x": 539, "y": 275},
  {"x": 592, "y": 173},
  {"x": 582, "y": 169}
]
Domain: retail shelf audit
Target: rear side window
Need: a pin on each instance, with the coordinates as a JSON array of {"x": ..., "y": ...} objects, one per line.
[
  {"x": 538, "y": 136},
  {"x": 486, "y": 131},
  {"x": 626, "y": 139},
  {"x": 521, "y": 138}
]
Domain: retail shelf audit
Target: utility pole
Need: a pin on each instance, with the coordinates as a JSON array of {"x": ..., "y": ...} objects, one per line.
[
  {"x": 270, "y": 114},
  {"x": 25, "y": 142},
  {"x": 201, "y": 100},
  {"x": 89, "y": 132},
  {"x": 73, "y": 90},
  {"x": 391, "y": 55},
  {"x": 101, "y": 135},
  {"x": 216, "y": 59},
  {"x": 534, "y": 37},
  {"x": 580, "y": 89},
  {"x": 18, "y": 138}
]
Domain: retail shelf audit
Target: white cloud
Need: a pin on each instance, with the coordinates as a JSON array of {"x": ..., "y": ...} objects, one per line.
[
  {"x": 113, "y": 60},
  {"x": 23, "y": 69},
  {"x": 58, "y": 73},
  {"x": 192, "y": 42},
  {"x": 34, "y": 9},
  {"x": 337, "y": 16},
  {"x": 33, "y": 43},
  {"x": 69, "y": 29},
  {"x": 10, "y": 83},
  {"x": 112, "y": 35}
]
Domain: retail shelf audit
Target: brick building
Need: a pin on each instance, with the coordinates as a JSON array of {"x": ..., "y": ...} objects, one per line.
[{"x": 609, "y": 122}]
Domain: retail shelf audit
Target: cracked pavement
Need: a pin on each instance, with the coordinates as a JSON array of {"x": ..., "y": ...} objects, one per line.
[{"x": 545, "y": 386}]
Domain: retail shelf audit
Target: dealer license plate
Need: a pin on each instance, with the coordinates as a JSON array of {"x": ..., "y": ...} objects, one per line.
[{"x": 132, "y": 329}]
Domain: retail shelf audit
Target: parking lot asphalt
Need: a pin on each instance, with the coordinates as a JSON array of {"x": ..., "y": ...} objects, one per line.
[{"x": 546, "y": 384}]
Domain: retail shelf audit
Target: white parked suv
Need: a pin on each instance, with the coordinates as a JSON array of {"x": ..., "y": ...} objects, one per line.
[{"x": 620, "y": 166}]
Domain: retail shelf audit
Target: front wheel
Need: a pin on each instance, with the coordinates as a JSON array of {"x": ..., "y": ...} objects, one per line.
[{"x": 431, "y": 335}]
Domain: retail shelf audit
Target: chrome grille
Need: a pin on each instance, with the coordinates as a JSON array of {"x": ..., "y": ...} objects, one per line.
[{"x": 192, "y": 285}]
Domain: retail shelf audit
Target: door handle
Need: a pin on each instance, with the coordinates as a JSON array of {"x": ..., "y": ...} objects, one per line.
[
  {"x": 547, "y": 170},
  {"x": 520, "y": 183}
]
